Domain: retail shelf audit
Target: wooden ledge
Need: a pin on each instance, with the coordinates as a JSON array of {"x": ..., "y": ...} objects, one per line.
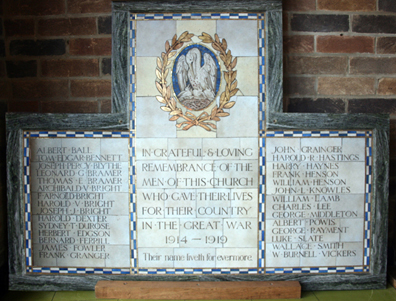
[{"x": 197, "y": 290}]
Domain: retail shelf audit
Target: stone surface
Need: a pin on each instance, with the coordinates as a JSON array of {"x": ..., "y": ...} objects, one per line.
[
  {"x": 345, "y": 44},
  {"x": 319, "y": 23}
]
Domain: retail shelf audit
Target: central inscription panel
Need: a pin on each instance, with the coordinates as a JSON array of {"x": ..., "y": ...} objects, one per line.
[{"x": 197, "y": 202}]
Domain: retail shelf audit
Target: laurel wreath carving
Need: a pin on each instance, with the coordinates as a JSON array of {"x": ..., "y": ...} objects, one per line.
[{"x": 170, "y": 105}]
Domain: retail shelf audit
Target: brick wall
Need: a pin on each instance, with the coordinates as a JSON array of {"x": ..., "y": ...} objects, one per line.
[
  {"x": 57, "y": 55},
  {"x": 339, "y": 56}
]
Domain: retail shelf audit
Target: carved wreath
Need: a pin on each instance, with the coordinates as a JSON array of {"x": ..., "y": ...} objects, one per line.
[{"x": 170, "y": 105}]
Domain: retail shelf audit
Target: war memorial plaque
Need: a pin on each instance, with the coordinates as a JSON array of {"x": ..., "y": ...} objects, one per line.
[{"x": 197, "y": 173}]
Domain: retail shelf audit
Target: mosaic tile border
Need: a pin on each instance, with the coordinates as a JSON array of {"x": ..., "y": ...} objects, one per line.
[
  {"x": 261, "y": 56},
  {"x": 261, "y": 213},
  {"x": 28, "y": 223},
  {"x": 196, "y": 16},
  {"x": 366, "y": 243},
  {"x": 321, "y": 133},
  {"x": 318, "y": 270}
]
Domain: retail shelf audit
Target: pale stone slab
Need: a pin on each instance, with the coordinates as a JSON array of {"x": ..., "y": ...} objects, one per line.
[
  {"x": 152, "y": 121},
  {"x": 151, "y": 37},
  {"x": 241, "y": 36},
  {"x": 236, "y": 125}
]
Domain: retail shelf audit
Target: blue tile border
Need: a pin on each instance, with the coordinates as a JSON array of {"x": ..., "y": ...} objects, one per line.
[
  {"x": 27, "y": 198},
  {"x": 197, "y": 16}
]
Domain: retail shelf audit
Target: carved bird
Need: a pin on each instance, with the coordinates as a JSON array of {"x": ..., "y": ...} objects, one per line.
[{"x": 196, "y": 81}]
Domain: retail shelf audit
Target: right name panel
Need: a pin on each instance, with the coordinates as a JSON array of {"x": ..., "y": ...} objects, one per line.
[{"x": 318, "y": 187}]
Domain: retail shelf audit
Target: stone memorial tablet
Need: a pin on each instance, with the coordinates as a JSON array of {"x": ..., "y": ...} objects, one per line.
[
  {"x": 79, "y": 199},
  {"x": 197, "y": 174}
]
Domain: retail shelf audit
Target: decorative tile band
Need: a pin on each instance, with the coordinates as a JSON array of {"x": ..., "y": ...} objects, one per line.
[
  {"x": 197, "y": 16},
  {"x": 326, "y": 270},
  {"x": 77, "y": 134},
  {"x": 317, "y": 133}
]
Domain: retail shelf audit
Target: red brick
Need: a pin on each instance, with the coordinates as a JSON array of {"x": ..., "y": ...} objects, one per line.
[
  {"x": 386, "y": 45},
  {"x": 299, "y": 5},
  {"x": 347, "y": 5},
  {"x": 316, "y": 105},
  {"x": 2, "y": 69},
  {"x": 298, "y": 44},
  {"x": 65, "y": 27},
  {"x": 316, "y": 65},
  {"x": 19, "y": 28},
  {"x": 69, "y": 107},
  {"x": 90, "y": 88},
  {"x": 24, "y": 106},
  {"x": 299, "y": 86},
  {"x": 346, "y": 86},
  {"x": 387, "y": 86},
  {"x": 88, "y": 6},
  {"x": 285, "y": 21},
  {"x": 392, "y": 146},
  {"x": 94, "y": 46},
  {"x": 105, "y": 106},
  {"x": 34, "y": 7},
  {"x": 345, "y": 44},
  {"x": 5, "y": 89},
  {"x": 66, "y": 68},
  {"x": 371, "y": 65},
  {"x": 28, "y": 89}
]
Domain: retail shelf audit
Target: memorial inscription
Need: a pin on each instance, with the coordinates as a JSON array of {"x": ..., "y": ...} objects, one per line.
[
  {"x": 79, "y": 202},
  {"x": 316, "y": 197},
  {"x": 197, "y": 205}
]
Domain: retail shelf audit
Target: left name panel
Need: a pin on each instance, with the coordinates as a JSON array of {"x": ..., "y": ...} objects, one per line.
[{"x": 79, "y": 196}]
